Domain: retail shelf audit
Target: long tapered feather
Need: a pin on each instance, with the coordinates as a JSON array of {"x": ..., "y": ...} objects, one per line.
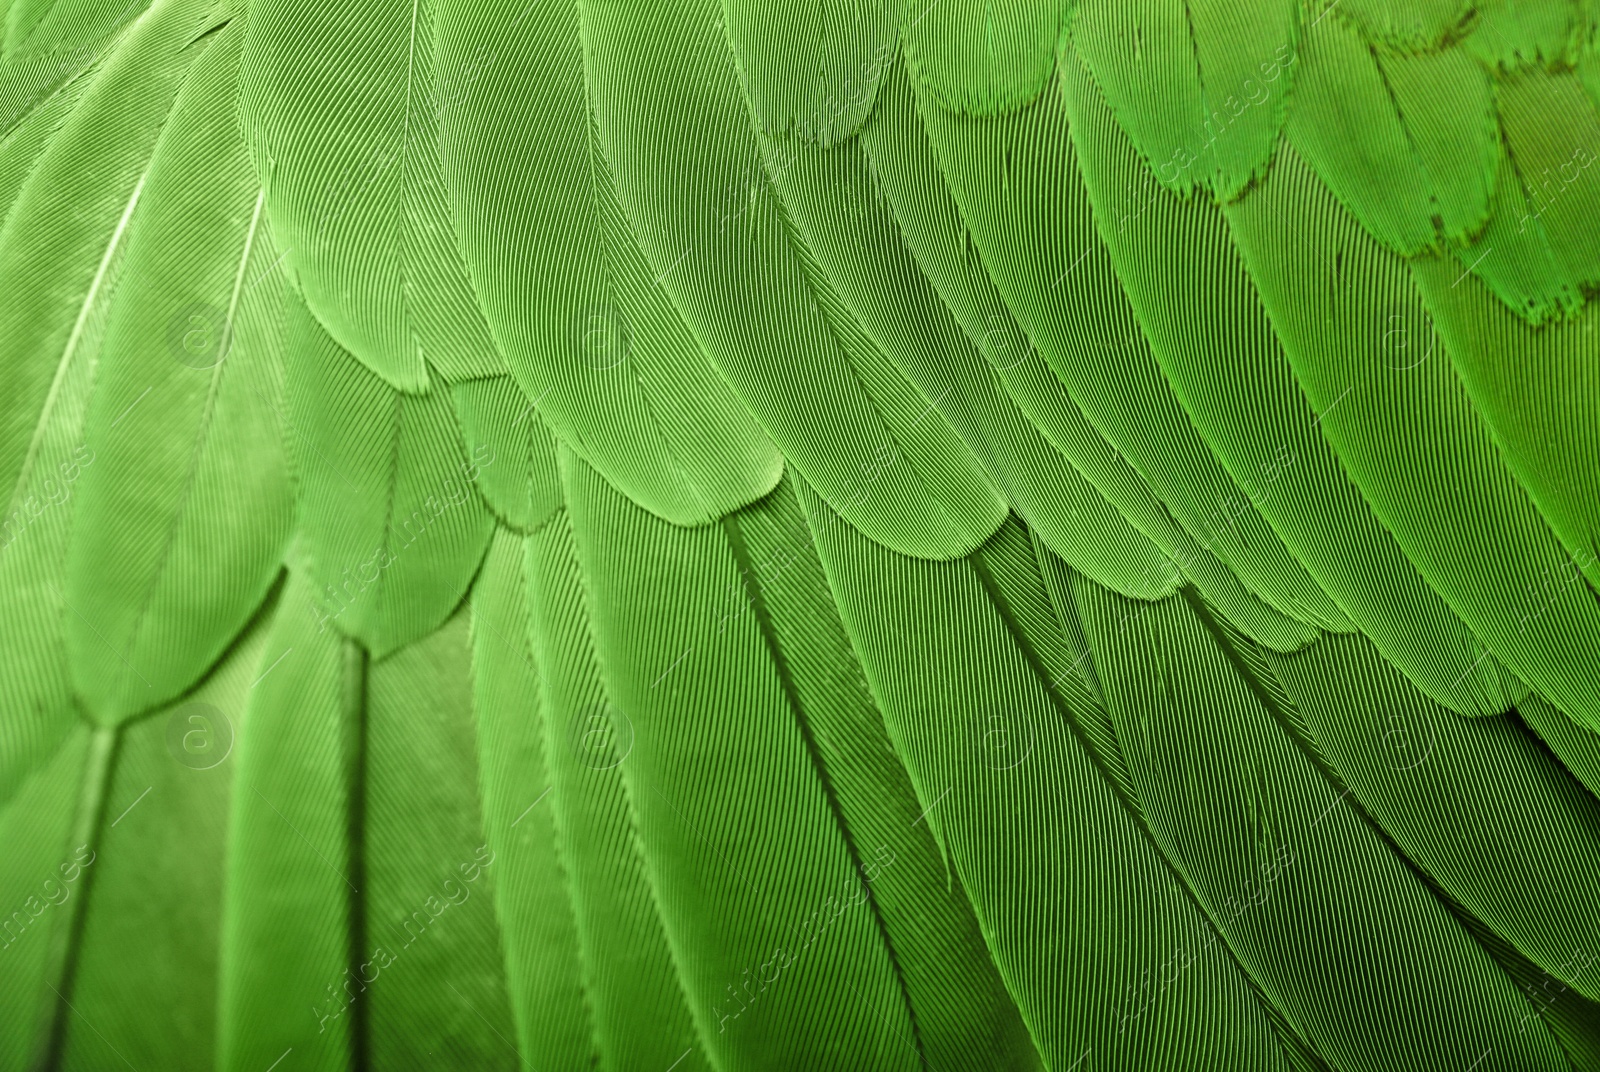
[{"x": 714, "y": 536}]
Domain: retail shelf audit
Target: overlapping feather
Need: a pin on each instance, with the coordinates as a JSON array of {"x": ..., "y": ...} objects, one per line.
[{"x": 799, "y": 534}]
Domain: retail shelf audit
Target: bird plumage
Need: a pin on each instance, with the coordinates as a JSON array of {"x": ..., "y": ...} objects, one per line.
[{"x": 688, "y": 535}]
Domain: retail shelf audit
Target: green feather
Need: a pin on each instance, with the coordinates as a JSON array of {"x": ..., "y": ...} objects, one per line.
[
  {"x": 349, "y": 158},
  {"x": 185, "y": 419},
  {"x": 152, "y": 918},
  {"x": 1082, "y": 918},
  {"x": 428, "y": 870},
  {"x": 632, "y": 981},
  {"x": 391, "y": 525},
  {"x": 544, "y": 968},
  {"x": 719, "y": 535},
  {"x": 611, "y": 364},
  {"x": 288, "y": 924}
]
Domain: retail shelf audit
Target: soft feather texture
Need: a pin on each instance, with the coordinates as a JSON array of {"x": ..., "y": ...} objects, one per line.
[{"x": 797, "y": 534}]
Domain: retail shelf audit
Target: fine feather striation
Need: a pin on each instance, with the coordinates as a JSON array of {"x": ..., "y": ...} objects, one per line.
[
  {"x": 773, "y": 913},
  {"x": 638, "y": 1008},
  {"x": 289, "y": 922},
  {"x": 812, "y": 70},
  {"x": 340, "y": 108},
  {"x": 1022, "y": 347},
  {"x": 1082, "y": 324},
  {"x": 830, "y": 408},
  {"x": 1275, "y": 852},
  {"x": 1467, "y": 800},
  {"x": 976, "y": 552},
  {"x": 76, "y": 170},
  {"x": 843, "y": 211},
  {"x": 513, "y": 450},
  {"x": 185, "y": 419},
  {"x": 152, "y": 917},
  {"x": 1436, "y": 458},
  {"x": 1078, "y": 916},
  {"x": 428, "y": 873},
  {"x": 1198, "y": 85},
  {"x": 390, "y": 525},
  {"x": 982, "y": 59},
  {"x": 592, "y": 337},
  {"x": 545, "y": 981},
  {"x": 51, "y": 28},
  {"x": 1310, "y": 495},
  {"x": 47, "y": 822}
]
